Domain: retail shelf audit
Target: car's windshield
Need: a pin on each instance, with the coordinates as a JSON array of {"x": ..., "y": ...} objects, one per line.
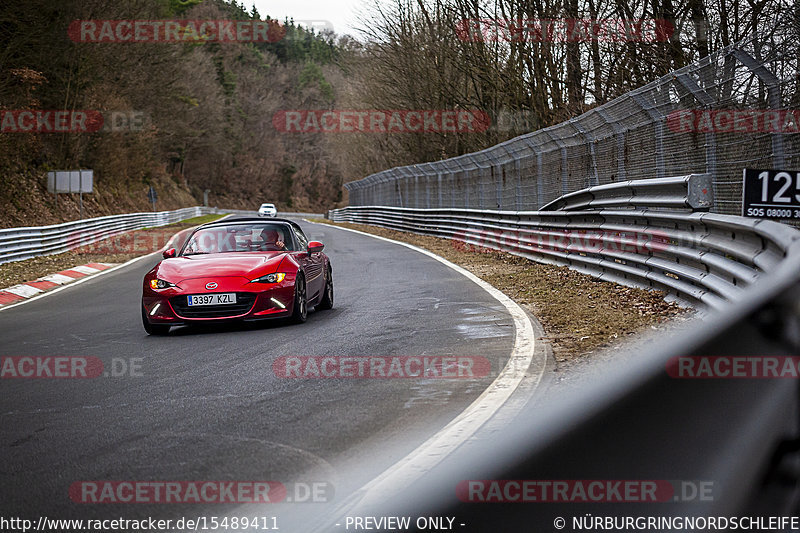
[{"x": 245, "y": 237}]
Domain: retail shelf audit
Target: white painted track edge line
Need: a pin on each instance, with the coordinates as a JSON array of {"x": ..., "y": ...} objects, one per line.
[{"x": 473, "y": 417}]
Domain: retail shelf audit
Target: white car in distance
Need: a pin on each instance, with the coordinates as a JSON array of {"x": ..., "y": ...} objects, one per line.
[{"x": 267, "y": 210}]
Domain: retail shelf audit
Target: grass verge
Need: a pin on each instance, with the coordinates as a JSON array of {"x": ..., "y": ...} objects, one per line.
[{"x": 196, "y": 221}]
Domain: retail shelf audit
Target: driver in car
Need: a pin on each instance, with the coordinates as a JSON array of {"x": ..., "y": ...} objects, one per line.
[{"x": 271, "y": 241}]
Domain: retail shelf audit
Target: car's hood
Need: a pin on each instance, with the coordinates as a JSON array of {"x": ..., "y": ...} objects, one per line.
[{"x": 247, "y": 264}]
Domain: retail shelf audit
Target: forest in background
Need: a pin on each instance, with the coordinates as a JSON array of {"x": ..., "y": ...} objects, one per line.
[{"x": 207, "y": 108}]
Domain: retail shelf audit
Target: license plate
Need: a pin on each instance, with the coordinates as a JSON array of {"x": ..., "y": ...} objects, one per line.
[{"x": 213, "y": 299}]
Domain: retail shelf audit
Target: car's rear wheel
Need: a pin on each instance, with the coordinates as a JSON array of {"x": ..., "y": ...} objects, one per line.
[
  {"x": 327, "y": 297},
  {"x": 300, "y": 311},
  {"x": 153, "y": 329}
]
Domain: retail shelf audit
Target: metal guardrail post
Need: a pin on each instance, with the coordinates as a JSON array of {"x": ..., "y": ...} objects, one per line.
[
  {"x": 403, "y": 185},
  {"x": 457, "y": 161},
  {"x": 708, "y": 103},
  {"x": 472, "y": 179},
  {"x": 407, "y": 173},
  {"x": 539, "y": 179},
  {"x": 497, "y": 163},
  {"x": 619, "y": 136},
  {"x": 563, "y": 148},
  {"x": 658, "y": 124},
  {"x": 396, "y": 184},
  {"x": 439, "y": 186},
  {"x": 480, "y": 170},
  {"x": 589, "y": 140},
  {"x": 518, "y": 195},
  {"x": 536, "y": 149}
]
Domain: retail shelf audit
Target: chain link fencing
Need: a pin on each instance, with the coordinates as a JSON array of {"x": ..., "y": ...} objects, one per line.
[{"x": 734, "y": 109}]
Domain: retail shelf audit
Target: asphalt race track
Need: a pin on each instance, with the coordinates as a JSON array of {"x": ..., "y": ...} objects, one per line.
[{"x": 204, "y": 404}]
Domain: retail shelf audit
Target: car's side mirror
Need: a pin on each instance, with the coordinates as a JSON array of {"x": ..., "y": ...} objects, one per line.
[
  {"x": 315, "y": 246},
  {"x": 169, "y": 253}
]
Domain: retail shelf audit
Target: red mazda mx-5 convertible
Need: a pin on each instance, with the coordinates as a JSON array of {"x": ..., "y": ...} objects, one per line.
[{"x": 244, "y": 269}]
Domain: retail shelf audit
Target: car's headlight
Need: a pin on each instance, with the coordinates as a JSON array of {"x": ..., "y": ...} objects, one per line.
[
  {"x": 277, "y": 277},
  {"x": 160, "y": 284}
]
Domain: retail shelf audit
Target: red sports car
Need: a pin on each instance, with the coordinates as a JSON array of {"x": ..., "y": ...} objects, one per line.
[{"x": 245, "y": 269}]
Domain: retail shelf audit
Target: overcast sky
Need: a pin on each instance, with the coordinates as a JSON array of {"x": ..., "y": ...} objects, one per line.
[{"x": 340, "y": 14}]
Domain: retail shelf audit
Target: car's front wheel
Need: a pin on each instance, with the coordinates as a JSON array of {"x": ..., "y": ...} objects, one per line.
[
  {"x": 327, "y": 297},
  {"x": 153, "y": 329},
  {"x": 300, "y": 311}
]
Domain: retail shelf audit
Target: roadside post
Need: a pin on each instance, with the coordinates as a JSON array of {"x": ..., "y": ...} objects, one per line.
[{"x": 152, "y": 196}]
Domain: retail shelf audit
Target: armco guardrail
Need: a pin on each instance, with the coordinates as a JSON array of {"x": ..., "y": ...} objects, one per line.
[
  {"x": 703, "y": 259},
  {"x": 17, "y": 244},
  {"x": 694, "y": 192}
]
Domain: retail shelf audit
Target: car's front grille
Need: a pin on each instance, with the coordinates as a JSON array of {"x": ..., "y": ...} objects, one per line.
[{"x": 244, "y": 302}]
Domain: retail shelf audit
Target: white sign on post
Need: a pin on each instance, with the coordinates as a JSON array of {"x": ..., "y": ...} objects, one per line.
[
  {"x": 70, "y": 181},
  {"x": 57, "y": 181},
  {"x": 74, "y": 180},
  {"x": 87, "y": 180}
]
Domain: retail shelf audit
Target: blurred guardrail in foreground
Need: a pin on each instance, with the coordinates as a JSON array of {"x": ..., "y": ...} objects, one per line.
[{"x": 17, "y": 244}]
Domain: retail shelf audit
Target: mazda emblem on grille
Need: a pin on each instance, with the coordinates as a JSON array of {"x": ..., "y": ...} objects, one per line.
[{"x": 211, "y": 285}]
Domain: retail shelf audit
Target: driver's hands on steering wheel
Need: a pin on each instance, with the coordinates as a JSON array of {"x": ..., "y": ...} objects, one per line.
[{"x": 272, "y": 246}]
